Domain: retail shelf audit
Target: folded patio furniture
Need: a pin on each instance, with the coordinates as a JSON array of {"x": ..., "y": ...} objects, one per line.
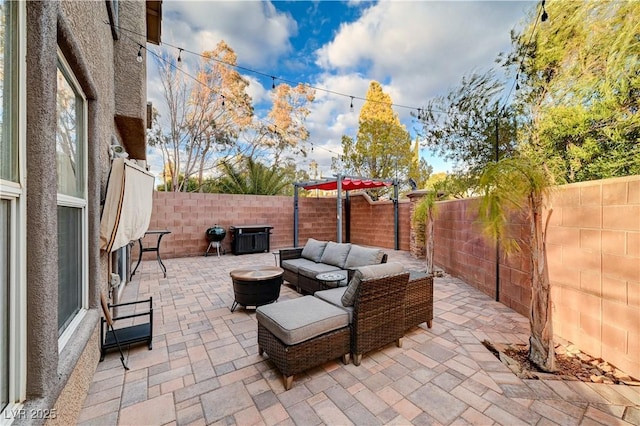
[{"x": 112, "y": 337}]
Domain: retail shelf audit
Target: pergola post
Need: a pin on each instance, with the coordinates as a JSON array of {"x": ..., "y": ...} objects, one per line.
[
  {"x": 295, "y": 215},
  {"x": 339, "y": 207},
  {"x": 338, "y": 184},
  {"x": 347, "y": 211},
  {"x": 395, "y": 215}
]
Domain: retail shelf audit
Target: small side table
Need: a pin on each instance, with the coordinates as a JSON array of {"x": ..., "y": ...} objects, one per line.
[
  {"x": 160, "y": 234},
  {"x": 327, "y": 278}
]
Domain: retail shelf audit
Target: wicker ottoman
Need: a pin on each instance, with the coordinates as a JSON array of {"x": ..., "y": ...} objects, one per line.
[{"x": 302, "y": 333}]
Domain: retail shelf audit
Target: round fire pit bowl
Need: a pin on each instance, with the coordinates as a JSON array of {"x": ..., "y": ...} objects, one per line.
[{"x": 256, "y": 286}]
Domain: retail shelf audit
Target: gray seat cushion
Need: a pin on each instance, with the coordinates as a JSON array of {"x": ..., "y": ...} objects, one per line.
[
  {"x": 314, "y": 269},
  {"x": 294, "y": 264},
  {"x": 297, "y": 320},
  {"x": 363, "y": 256},
  {"x": 336, "y": 254},
  {"x": 334, "y": 296},
  {"x": 313, "y": 249}
]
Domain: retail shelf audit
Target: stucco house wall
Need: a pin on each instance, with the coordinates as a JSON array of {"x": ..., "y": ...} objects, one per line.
[{"x": 78, "y": 29}]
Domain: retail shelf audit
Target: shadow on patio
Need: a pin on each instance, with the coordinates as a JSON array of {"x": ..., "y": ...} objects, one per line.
[{"x": 205, "y": 369}]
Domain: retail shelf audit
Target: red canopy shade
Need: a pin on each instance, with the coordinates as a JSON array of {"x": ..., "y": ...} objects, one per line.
[{"x": 348, "y": 184}]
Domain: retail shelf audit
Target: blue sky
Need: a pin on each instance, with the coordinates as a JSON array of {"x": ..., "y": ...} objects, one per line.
[{"x": 415, "y": 49}]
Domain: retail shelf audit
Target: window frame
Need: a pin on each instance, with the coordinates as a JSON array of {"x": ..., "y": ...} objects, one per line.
[
  {"x": 15, "y": 193},
  {"x": 80, "y": 203}
]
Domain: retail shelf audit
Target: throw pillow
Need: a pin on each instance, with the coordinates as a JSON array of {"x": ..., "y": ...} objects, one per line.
[
  {"x": 313, "y": 249},
  {"x": 336, "y": 254},
  {"x": 362, "y": 256},
  {"x": 381, "y": 270}
]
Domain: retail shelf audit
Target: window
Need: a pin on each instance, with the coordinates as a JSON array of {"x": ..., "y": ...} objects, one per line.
[
  {"x": 8, "y": 80},
  {"x": 5, "y": 244},
  {"x": 72, "y": 234},
  {"x": 12, "y": 222}
]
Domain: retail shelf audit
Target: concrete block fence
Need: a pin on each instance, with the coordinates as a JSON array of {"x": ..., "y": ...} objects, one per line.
[
  {"x": 593, "y": 248},
  {"x": 189, "y": 215},
  {"x": 593, "y": 253}
]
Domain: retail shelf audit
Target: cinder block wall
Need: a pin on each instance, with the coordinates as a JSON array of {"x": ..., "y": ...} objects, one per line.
[
  {"x": 593, "y": 252},
  {"x": 189, "y": 215},
  {"x": 594, "y": 264},
  {"x": 372, "y": 223}
]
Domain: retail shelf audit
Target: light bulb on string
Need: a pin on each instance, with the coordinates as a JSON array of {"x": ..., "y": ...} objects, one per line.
[
  {"x": 180, "y": 56},
  {"x": 139, "y": 58},
  {"x": 544, "y": 16},
  {"x": 222, "y": 96},
  {"x": 419, "y": 114},
  {"x": 273, "y": 82},
  {"x": 351, "y": 106}
]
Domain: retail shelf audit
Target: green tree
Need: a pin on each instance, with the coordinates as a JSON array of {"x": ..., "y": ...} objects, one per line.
[
  {"x": 204, "y": 116},
  {"x": 286, "y": 130},
  {"x": 520, "y": 185},
  {"x": 434, "y": 180},
  {"x": 580, "y": 88},
  {"x": 467, "y": 126},
  {"x": 423, "y": 222},
  {"x": 456, "y": 185},
  {"x": 251, "y": 177},
  {"x": 419, "y": 170},
  {"x": 210, "y": 119},
  {"x": 382, "y": 149}
]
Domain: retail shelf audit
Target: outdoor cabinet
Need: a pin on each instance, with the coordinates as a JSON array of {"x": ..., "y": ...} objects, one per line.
[{"x": 250, "y": 238}]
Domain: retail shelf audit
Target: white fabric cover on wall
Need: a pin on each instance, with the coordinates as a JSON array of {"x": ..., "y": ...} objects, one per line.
[{"x": 127, "y": 210}]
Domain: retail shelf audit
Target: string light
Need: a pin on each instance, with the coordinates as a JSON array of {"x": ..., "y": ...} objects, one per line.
[
  {"x": 273, "y": 78},
  {"x": 274, "y": 128},
  {"x": 351, "y": 106},
  {"x": 180, "y": 56},
  {"x": 544, "y": 16},
  {"x": 419, "y": 114},
  {"x": 139, "y": 58}
]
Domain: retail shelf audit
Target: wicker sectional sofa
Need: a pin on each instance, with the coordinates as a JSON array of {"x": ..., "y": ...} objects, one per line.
[
  {"x": 301, "y": 265},
  {"x": 375, "y": 309}
]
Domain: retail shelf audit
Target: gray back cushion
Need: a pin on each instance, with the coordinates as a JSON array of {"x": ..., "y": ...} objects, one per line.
[
  {"x": 363, "y": 256},
  {"x": 365, "y": 273},
  {"x": 336, "y": 254},
  {"x": 313, "y": 249}
]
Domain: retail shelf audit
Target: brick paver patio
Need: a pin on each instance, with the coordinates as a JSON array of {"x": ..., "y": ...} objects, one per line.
[{"x": 205, "y": 369}]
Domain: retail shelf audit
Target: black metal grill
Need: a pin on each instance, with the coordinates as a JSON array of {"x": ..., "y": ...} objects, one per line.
[{"x": 215, "y": 235}]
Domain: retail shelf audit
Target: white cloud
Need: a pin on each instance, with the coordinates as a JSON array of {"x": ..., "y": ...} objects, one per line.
[
  {"x": 422, "y": 48},
  {"x": 257, "y": 32},
  {"x": 416, "y": 50}
]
